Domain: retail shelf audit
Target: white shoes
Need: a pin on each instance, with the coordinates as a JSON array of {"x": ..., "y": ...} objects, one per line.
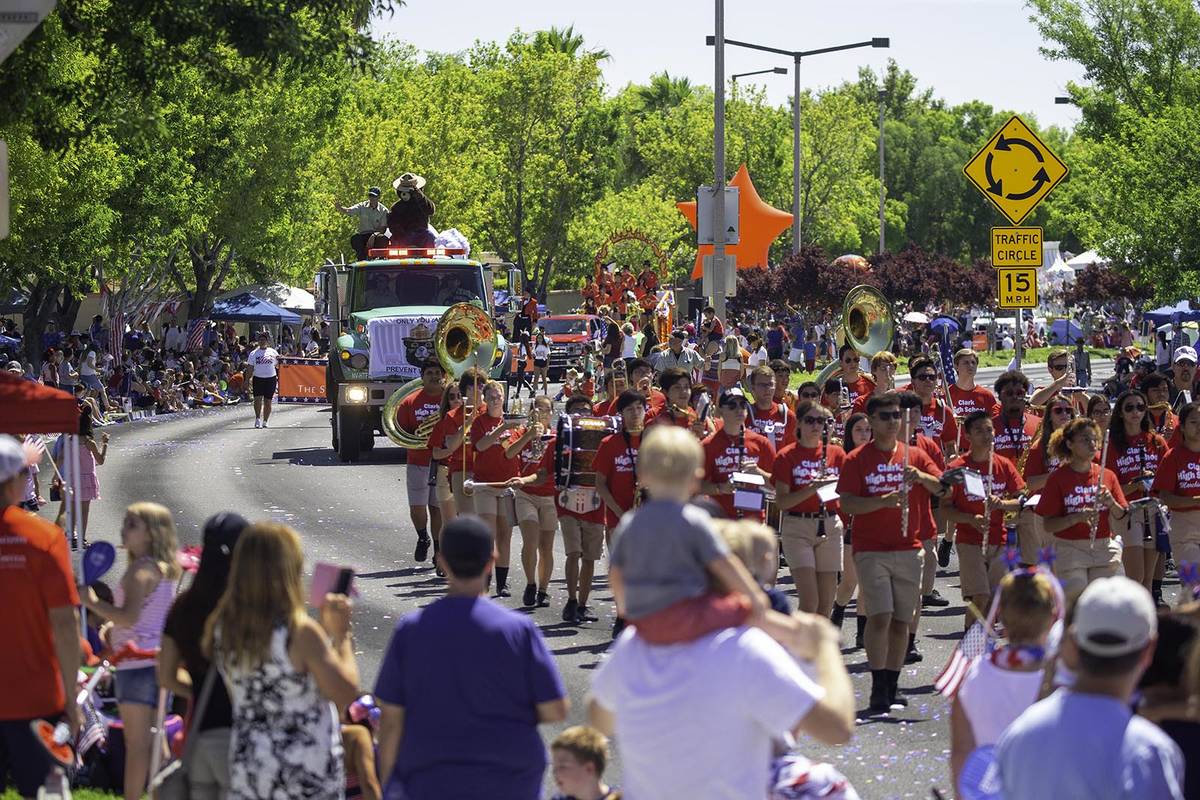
[
  {"x": 264, "y": 423},
  {"x": 258, "y": 423}
]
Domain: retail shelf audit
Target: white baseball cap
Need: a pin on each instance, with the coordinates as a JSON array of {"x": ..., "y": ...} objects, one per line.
[
  {"x": 1185, "y": 352},
  {"x": 12, "y": 458},
  {"x": 1114, "y": 617}
]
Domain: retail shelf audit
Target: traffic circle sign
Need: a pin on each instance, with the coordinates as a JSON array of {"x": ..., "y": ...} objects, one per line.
[
  {"x": 1015, "y": 170},
  {"x": 1016, "y": 287},
  {"x": 1016, "y": 247}
]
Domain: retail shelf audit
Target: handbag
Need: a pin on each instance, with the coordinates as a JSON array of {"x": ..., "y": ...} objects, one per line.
[{"x": 172, "y": 782}]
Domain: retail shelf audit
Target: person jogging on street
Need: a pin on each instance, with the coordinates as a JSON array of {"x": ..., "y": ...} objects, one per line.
[{"x": 265, "y": 360}]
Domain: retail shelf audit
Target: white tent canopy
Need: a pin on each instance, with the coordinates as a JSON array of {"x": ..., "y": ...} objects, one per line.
[
  {"x": 1060, "y": 274},
  {"x": 1085, "y": 260},
  {"x": 287, "y": 297}
]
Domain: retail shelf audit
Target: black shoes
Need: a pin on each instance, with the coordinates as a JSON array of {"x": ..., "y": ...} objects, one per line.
[
  {"x": 838, "y": 616},
  {"x": 543, "y": 599},
  {"x": 913, "y": 656},
  {"x": 618, "y": 626},
  {"x": 570, "y": 610},
  {"x": 895, "y": 697},
  {"x": 584, "y": 614},
  {"x": 881, "y": 700},
  {"x": 935, "y": 600},
  {"x": 860, "y": 632},
  {"x": 529, "y": 597},
  {"x": 422, "y": 552},
  {"x": 943, "y": 553}
]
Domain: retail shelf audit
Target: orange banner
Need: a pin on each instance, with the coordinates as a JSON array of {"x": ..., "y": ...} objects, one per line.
[{"x": 301, "y": 380}]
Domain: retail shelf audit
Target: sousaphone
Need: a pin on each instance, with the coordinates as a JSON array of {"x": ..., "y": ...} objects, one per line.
[
  {"x": 868, "y": 325},
  {"x": 465, "y": 337}
]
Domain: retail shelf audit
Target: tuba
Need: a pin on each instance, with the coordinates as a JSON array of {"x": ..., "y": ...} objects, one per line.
[
  {"x": 465, "y": 338},
  {"x": 868, "y": 324}
]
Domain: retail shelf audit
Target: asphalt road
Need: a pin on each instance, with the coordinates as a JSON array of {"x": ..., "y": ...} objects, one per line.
[{"x": 199, "y": 463}]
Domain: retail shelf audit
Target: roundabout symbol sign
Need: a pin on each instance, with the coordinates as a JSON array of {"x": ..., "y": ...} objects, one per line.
[{"x": 1015, "y": 170}]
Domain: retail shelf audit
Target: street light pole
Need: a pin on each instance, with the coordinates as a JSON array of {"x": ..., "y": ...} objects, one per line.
[
  {"x": 718, "y": 257},
  {"x": 882, "y": 187},
  {"x": 796, "y": 156}
]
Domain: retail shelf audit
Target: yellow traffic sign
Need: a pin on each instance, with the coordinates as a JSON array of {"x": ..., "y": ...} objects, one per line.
[
  {"x": 1016, "y": 287},
  {"x": 1015, "y": 170},
  {"x": 1016, "y": 247}
]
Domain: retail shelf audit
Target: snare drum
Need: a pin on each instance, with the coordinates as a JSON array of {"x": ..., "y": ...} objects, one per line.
[{"x": 575, "y": 447}]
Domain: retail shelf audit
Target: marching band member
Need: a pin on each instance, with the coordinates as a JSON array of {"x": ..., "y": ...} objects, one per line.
[
  {"x": 677, "y": 387},
  {"x": 856, "y": 433},
  {"x": 1014, "y": 426},
  {"x": 1177, "y": 486},
  {"x": 1062, "y": 374},
  {"x": 455, "y": 448},
  {"x": 533, "y": 450},
  {"x": 770, "y": 418},
  {"x": 451, "y": 401},
  {"x": 1079, "y": 499},
  {"x": 856, "y": 383},
  {"x": 965, "y": 394},
  {"x": 1040, "y": 460},
  {"x": 641, "y": 377},
  {"x": 1162, "y": 420},
  {"x": 885, "y": 487},
  {"x": 735, "y": 448},
  {"x": 783, "y": 377},
  {"x": 583, "y": 541},
  {"x": 883, "y": 373},
  {"x": 811, "y": 531},
  {"x": 911, "y": 434},
  {"x": 937, "y": 419},
  {"x": 491, "y": 465},
  {"x": 981, "y": 565},
  {"x": 411, "y": 413},
  {"x": 1134, "y": 453}
]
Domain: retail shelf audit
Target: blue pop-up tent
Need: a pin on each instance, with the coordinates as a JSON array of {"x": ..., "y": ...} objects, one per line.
[
  {"x": 245, "y": 307},
  {"x": 1065, "y": 332},
  {"x": 1179, "y": 312}
]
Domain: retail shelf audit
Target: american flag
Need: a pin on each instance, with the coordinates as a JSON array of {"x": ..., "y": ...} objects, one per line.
[
  {"x": 975, "y": 644},
  {"x": 116, "y": 332},
  {"x": 195, "y": 338},
  {"x": 946, "y": 350},
  {"x": 93, "y": 731}
]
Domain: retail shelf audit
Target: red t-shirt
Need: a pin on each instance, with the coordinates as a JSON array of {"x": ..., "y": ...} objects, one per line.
[
  {"x": 862, "y": 386},
  {"x": 446, "y": 427},
  {"x": 35, "y": 576},
  {"x": 1140, "y": 456},
  {"x": 1179, "y": 473},
  {"x": 797, "y": 466},
  {"x": 616, "y": 460},
  {"x": 529, "y": 309},
  {"x": 1038, "y": 463},
  {"x": 723, "y": 455},
  {"x": 656, "y": 402},
  {"x": 779, "y": 420},
  {"x": 938, "y": 423},
  {"x": 932, "y": 449},
  {"x": 870, "y": 472},
  {"x": 1164, "y": 421},
  {"x": 529, "y": 462},
  {"x": 1005, "y": 482},
  {"x": 490, "y": 465},
  {"x": 1069, "y": 492},
  {"x": 414, "y": 410},
  {"x": 1012, "y": 439},
  {"x": 966, "y": 401}
]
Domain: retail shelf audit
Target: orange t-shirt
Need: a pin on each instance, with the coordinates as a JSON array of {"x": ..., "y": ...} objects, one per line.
[
  {"x": 1070, "y": 492},
  {"x": 870, "y": 472},
  {"x": 1179, "y": 473},
  {"x": 35, "y": 576},
  {"x": 723, "y": 455},
  {"x": 414, "y": 410},
  {"x": 797, "y": 466},
  {"x": 1005, "y": 482}
]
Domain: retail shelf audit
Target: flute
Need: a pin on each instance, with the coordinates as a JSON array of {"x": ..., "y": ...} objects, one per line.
[
  {"x": 824, "y": 473},
  {"x": 1095, "y": 523},
  {"x": 987, "y": 495},
  {"x": 904, "y": 491}
]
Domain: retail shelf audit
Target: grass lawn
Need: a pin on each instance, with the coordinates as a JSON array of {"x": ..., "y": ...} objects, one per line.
[
  {"x": 78, "y": 794},
  {"x": 1000, "y": 358}
]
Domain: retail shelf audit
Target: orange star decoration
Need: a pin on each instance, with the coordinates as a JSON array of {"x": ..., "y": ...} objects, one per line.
[{"x": 760, "y": 225}]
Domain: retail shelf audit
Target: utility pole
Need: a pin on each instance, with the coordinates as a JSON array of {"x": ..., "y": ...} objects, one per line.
[
  {"x": 718, "y": 257},
  {"x": 796, "y": 157}
]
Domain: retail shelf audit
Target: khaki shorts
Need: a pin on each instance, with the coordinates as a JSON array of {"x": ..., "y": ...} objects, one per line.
[
  {"x": 1132, "y": 528},
  {"x": 802, "y": 548},
  {"x": 462, "y": 503},
  {"x": 536, "y": 509},
  {"x": 416, "y": 480},
  {"x": 582, "y": 538},
  {"x": 929, "y": 566},
  {"x": 1031, "y": 535},
  {"x": 1185, "y": 536},
  {"x": 491, "y": 501},
  {"x": 891, "y": 582},
  {"x": 1077, "y": 563},
  {"x": 980, "y": 572},
  {"x": 442, "y": 488}
]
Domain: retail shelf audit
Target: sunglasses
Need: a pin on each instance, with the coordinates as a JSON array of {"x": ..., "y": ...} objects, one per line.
[
  {"x": 926, "y": 376},
  {"x": 1139, "y": 407},
  {"x": 1057, "y": 367},
  {"x": 888, "y": 416},
  {"x": 815, "y": 420}
]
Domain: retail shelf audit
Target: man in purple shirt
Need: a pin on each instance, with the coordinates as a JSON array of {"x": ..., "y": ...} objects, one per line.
[{"x": 463, "y": 686}]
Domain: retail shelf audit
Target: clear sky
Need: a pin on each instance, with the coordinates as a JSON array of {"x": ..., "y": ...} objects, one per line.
[{"x": 962, "y": 49}]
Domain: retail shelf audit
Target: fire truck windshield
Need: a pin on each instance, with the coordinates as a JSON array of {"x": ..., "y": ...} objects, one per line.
[{"x": 417, "y": 285}]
